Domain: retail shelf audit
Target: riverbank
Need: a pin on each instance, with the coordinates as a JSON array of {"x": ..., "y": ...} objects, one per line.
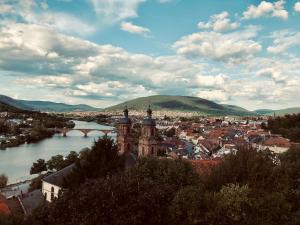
[
  {"x": 16, "y": 189},
  {"x": 33, "y": 137},
  {"x": 17, "y": 161}
]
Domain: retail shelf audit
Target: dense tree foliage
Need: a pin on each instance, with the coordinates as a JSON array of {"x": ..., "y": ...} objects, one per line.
[
  {"x": 3, "y": 180},
  {"x": 170, "y": 132},
  {"x": 38, "y": 166},
  {"x": 57, "y": 162},
  {"x": 101, "y": 160},
  {"x": 138, "y": 196},
  {"x": 244, "y": 189},
  {"x": 11, "y": 220},
  {"x": 288, "y": 126}
]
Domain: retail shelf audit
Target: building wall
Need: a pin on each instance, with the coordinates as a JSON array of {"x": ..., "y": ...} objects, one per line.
[
  {"x": 147, "y": 146},
  {"x": 49, "y": 190},
  {"x": 124, "y": 138}
]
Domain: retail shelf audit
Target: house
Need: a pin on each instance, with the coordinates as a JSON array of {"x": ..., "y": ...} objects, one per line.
[
  {"x": 52, "y": 185},
  {"x": 204, "y": 166},
  {"x": 4, "y": 209},
  {"x": 276, "y": 144},
  {"x": 31, "y": 200}
]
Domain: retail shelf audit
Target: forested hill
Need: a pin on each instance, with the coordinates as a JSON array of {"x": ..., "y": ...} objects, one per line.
[
  {"x": 45, "y": 106},
  {"x": 181, "y": 103},
  {"x": 7, "y": 108}
]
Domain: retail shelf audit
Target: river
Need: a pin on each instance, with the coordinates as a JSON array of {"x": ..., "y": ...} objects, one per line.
[{"x": 16, "y": 162}]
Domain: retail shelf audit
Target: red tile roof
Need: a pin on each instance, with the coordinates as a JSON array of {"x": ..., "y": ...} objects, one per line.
[
  {"x": 3, "y": 206},
  {"x": 204, "y": 166},
  {"x": 278, "y": 141}
]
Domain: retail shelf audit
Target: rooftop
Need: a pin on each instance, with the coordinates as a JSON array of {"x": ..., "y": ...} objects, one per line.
[{"x": 58, "y": 177}]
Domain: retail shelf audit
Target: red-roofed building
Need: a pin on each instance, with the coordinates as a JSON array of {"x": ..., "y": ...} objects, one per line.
[
  {"x": 204, "y": 166},
  {"x": 4, "y": 209},
  {"x": 276, "y": 144}
]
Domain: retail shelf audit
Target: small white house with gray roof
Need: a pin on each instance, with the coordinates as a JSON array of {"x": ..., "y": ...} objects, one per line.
[{"x": 52, "y": 185}]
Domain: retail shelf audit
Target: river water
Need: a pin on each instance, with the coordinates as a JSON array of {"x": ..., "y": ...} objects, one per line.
[{"x": 16, "y": 162}]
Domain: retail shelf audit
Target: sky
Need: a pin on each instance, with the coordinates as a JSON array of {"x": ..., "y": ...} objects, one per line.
[{"x": 103, "y": 52}]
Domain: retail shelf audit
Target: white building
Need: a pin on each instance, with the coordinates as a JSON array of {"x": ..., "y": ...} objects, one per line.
[{"x": 52, "y": 185}]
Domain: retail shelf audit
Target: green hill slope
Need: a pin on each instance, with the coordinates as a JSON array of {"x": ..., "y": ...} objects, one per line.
[
  {"x": 180, "y": 103},
  {"x": 45, "y": 106},
  {"x": 8, "y": 108},
  {"x": 8, "y": 101}
]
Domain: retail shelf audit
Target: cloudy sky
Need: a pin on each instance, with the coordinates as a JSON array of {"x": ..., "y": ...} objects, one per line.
[{"x": 102, "y": 52}]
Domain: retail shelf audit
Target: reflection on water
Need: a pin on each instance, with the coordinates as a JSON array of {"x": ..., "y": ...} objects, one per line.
[{"x": 16, "y": 162}]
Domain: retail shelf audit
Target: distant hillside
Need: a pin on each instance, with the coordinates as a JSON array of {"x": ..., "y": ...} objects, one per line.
[
  {"x": 280, "y": 112},
  {"x": 45, "y": 106},
  {"x": 8, "y": 101},
  {"x": 8, "y": 108},
  {"x": 180, "y": 103}
]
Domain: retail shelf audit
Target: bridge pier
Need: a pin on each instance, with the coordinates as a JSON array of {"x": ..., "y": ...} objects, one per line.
[
  {"x": 64, "y": 131},
  {"x": 85, "y": 131},
  {"x": 106, "y": 132}
]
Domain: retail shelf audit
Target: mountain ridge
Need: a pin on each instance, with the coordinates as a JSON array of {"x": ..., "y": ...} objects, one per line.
[
  {"x": 45, "y": 106},
  {"x": 181, "y": 103}
]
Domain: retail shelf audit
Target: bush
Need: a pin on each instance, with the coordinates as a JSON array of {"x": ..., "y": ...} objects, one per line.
[{"x": 3, "y": 180}]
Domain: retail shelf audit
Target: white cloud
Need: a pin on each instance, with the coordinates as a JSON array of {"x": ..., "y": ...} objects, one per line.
[
  {"x": 5, "y": 8},
  {"x": 134, "y": 29},
  {"x": 267, "y": 9},
  {"x": 37, "y": 12},
  {"x": 62, "y": 22},
  {"x": 297, "y": 7},
  {"x": 283, "y": 40},
  {"x": 219, "y": 22},
  {"x": 111, "y": 89},
  {"x": 211, "y": 81},
  {"x": 231, "y": 47},
  {"x": 274, "y": 73},
  {"x": 112, "y": 11},
  {"x": 46, "y": 81},
  {"x": 164, "y": 1},
  {"x": 39, "y": 49},
  {"x": 213, "y": 95}
]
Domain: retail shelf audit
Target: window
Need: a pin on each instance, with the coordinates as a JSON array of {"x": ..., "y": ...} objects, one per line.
[
  {"x": 143, "y": 150},
  {"x": 152, "y": 151},
  {"x": 152, "y": 131},
  {"x": 45, "y": 195},
  {"x": 52, "y": 193},
  {"x": 128, "y": 147}
]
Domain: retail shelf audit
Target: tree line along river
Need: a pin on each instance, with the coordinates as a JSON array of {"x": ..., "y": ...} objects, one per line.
[{"x": 15, "y": 162}]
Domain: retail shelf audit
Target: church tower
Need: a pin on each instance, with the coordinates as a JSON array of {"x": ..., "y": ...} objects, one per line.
[
  {"x": 124, "y": 137},
  {"x": 147, "y": 141}
]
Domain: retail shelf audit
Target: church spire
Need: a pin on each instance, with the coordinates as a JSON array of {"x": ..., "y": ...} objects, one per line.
[
  {"x": 149, "y": 112},
  {"x": 125, "y": 111}
]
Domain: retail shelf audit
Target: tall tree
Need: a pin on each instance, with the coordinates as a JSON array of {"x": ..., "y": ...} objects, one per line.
[
  {"x": 3, "y": 180},
  {"x": 38, "y": 166}
]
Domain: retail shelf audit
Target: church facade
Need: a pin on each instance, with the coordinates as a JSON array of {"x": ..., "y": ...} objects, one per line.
[
  {"x": 147, "y": 145},
  {"x": 124, "y": 136}
]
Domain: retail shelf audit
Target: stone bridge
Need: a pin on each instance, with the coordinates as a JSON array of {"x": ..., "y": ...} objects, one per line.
[{"x": 85, "y": 131}]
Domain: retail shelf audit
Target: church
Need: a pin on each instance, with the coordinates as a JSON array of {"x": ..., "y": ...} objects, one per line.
[{"x": 147, "y": 145}]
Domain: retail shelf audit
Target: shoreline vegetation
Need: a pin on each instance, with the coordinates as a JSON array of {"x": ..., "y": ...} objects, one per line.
[{"x": 30, "y": 127}]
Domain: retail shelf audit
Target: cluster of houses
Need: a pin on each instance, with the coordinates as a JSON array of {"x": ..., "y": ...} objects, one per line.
[
  {"x": 13, "y": 124},
  {"x": 212, "y": 139},
  {"x": 204, "y": 143}
]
